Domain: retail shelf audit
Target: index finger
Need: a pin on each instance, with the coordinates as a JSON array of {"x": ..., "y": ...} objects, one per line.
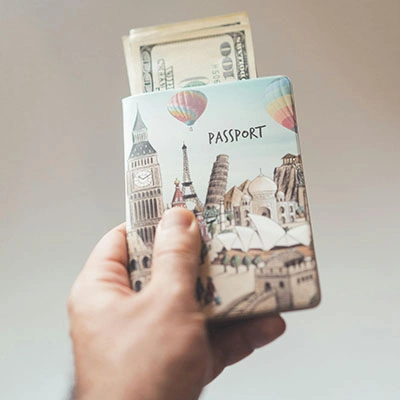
[{"x": 108, "y": 260}]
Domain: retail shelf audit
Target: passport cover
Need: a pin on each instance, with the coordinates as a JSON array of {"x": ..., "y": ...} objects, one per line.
[{"x": 230, "y": 153}]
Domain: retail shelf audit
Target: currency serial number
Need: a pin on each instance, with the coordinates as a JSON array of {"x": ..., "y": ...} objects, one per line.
[{"x": 216, "y": 74}]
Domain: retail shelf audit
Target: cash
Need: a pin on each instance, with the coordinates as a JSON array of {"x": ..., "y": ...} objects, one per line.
[{"x": 193, "y": 53}]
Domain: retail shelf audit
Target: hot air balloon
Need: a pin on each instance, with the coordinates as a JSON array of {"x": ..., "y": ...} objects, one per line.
[
  {"x": 187, "y": 106},
  {"x": 279, "y": 103}
]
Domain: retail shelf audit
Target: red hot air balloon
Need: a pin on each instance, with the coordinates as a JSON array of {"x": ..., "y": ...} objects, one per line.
[
  {"x": 279, "y": 103},
  {"x": 187, "y": 106}
]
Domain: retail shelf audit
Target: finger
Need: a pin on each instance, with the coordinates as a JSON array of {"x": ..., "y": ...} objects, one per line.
[
  {"x": 176, "y": 253},
  {"x": 231, "y": 344},
  {"x": 108, "y": 260}
]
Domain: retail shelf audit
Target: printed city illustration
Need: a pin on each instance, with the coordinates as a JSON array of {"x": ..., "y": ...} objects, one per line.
[{"x": 230, "y": 154}]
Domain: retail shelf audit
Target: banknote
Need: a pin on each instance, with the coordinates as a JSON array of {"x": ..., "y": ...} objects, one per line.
[
  {"x": 193, "y": 25},
  {"x": 193, "y": 53}
]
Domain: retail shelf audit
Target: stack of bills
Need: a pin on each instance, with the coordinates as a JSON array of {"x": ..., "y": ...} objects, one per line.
[{"x": 193, "y": 53}]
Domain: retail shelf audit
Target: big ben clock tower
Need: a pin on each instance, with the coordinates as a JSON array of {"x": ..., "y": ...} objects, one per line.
[{"x": 144, "y": 186}]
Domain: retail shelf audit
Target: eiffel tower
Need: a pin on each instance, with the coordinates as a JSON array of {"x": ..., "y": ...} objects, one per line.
[{"x": 189, "y": 194}]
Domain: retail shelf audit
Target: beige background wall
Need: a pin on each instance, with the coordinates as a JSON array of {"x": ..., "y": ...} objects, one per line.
[{"x": 62, "y": 76}]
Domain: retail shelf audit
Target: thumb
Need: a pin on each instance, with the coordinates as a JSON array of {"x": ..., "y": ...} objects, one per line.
[{"x": 176, "y": 254}]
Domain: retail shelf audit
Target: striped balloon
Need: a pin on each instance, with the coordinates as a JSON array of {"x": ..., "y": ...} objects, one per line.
[
  {"x": 187, "y": 106},
  {"x": 279, "y": 103}
]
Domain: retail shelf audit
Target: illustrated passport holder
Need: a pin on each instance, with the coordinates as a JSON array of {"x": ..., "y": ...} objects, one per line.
[{"x": 229, "y": 153}]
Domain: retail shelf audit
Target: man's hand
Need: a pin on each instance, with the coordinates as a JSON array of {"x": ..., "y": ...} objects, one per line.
[{"x": 152, "y": 345}]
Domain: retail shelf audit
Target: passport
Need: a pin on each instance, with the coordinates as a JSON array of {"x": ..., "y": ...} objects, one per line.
[{"x": 230, "y": 153}]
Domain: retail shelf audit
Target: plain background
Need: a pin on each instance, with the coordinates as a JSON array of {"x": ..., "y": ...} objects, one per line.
[{"x": 62, "y": 78}]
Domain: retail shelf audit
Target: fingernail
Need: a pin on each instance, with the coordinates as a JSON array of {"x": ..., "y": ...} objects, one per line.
[{"x": 177, "y": 217}]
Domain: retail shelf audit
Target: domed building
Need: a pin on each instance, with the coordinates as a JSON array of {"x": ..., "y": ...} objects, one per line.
[
  {"x": 263, "y": 191},
  {"x": 259, "y": 196},
  {"x": 256, "y": 197}
]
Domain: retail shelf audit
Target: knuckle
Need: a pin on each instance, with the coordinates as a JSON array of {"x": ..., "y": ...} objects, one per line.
[
  {"x": 170, "y": 297},
  {"x": 73, "y": 301},
  {"x": 81, "y": 302},
  {"x": 176, "y": 296},
  {"x": 181, "y": 254},
  {"x": 178, "y": 290}
]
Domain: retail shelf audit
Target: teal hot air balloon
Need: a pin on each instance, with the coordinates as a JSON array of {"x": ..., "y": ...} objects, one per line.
[
  {"x": 279, "y": 103},
  {"x": 187, "y": 106}
]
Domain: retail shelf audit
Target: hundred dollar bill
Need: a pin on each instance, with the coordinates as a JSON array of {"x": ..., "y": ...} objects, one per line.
[
  {"x": 193, "y": 25},
  {"x": 193, "y": 53}
]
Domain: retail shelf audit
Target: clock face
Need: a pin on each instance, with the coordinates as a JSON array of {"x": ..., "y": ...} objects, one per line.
[{"x": 143, "y": 178}]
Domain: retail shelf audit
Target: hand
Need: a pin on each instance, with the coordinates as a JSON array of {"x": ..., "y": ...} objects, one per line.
[{"x": 155, "y": 344}]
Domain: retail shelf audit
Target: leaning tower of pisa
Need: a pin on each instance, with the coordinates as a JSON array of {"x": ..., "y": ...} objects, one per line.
[{"x": 218, "y": 181}]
